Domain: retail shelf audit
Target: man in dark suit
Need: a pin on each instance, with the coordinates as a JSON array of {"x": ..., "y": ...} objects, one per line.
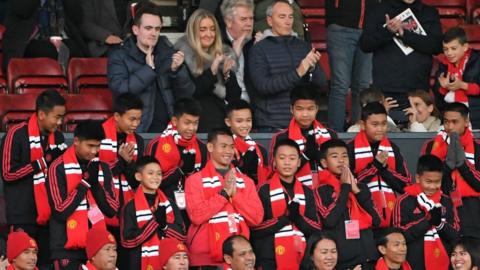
[{"x": 105, "y": 24}]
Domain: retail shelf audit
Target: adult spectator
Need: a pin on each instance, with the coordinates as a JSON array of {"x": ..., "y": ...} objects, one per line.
[
  {"x": 423, "y": 115},
  {"x": 393, "y": 248},
  {"x": 350, "y": 66},
  {"x": 22, "y": 251},
  {"x": 174, "y": 254},
  {"x": 275, "y": 75},
  {"x": 101, "y": 250},
  {"x": 212, "y": 67},
  {"x": 105, "y": 24},
  {"x": 220, "y": 202},
  {"x": 237, "y": 33},
  {"x": 31, "y": 23},
  {"x": 147, "y": 65},
  {"x": 238, "y": 253},
  {"x": 27, "y": 150},
  {"x": 394, "y": 71},
  {"x": 261, "y": 21},
  {"x": 465, "y": 255}
]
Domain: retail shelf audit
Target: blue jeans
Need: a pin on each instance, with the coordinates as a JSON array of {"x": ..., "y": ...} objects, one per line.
[{"x": 350, "y": 68}]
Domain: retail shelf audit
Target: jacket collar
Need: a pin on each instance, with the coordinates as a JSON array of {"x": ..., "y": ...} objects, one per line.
[
  {"x": 399, "y": 4},
  {"x": 130, "y": 45}
]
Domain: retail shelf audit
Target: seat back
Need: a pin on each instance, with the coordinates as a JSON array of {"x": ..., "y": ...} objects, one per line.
[
  {"x": 16, "y": 108},
  {"x": 36, "y": 73},
  {"x": 83, "y": 72}
]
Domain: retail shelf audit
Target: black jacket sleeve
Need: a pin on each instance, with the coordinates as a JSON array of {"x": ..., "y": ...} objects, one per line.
[
  {"x": 470, "y": 172},
  {"x": 104, "y": 195},
  {"x": 176, "y": 229},
  {"x": 432, "y": 42},
  {"x": 414, "y": 225},
  {"x": 448, "y": 230},
  {"x": 62, "y": 203},
  {"x": 331, "y": 210},
  {"x": 308, "y": 223},
  {"x": 131, "y": 235},
  {"x": 374, "y": 35}
]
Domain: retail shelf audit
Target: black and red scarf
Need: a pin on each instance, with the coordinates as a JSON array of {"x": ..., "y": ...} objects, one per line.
[
  {"x": 243, "y": 145},
  {"x": 356, "y": 211},
  {"x": 289, "y": 241},
  {"x": 36, "y": 152},
  {"x": 304, "y": 174},
  {"x": 456, "y": 72},
  {"x": 382, "y": 194},
  {"x": 167, "y": 152},
  {"x": 77, "y": 223},
  {"x": 108, "y": 154},
  {"x": 436, "y": 256},
  {"x": 440, "y": 148},
  {"x": 150, "y": 253},
  {"x": 219, "y": 227}
]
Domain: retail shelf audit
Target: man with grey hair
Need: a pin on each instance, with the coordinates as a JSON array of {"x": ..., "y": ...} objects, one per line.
[
  {"x": 279, "y": 63},
  {"x": 238, "y": 18}
]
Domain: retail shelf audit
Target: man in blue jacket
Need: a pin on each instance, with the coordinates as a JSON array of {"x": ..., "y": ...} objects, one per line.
[
  {"x": 278, "y": 64},
  {"x": 147, "y": 65}
]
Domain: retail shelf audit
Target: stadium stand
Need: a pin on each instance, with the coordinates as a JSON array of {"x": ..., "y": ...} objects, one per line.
[
  {"x": 452, "y": 12},
  {"x": 313, "y": 8},
  {"x": 85, "y": 106}
]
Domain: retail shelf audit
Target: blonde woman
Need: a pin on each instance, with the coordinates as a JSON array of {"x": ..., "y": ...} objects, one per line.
[{"x": 212, "y": 67}]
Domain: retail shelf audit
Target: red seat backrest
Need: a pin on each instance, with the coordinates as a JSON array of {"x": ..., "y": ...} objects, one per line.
[
  {"x": 311, "y": 3},
  {"x": 88, "y": 102},
  {"x": 11, "y": 105},
  {"x": 30, "y": 67},
  {"x": 71, "y": 120},
  {"x": 85, "y": 67}
]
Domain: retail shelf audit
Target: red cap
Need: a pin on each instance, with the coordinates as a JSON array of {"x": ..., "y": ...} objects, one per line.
[
  {"x": 17, "y": 243},
  {"x": 168, "y": 247},
  {"x": 97, "y": 238}
]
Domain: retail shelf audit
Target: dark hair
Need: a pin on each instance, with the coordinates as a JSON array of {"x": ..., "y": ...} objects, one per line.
[
  {"x": 331, "y": 144},
  {"x": 303, "y": 93},
  {"x": 427, "y": 98},
  {"x": 215, "y": 132},
  {"x": 372, "y": 108},
  {"x": 144, "y": 161},
  {"x": 238, "y": 104},
  {"x": 89, "y": 130},
  {"x": 429, "y": 163},
  {"x": 382, "y": 240},
  {"x": 126, "y": 102},
  {"x": 49, "y": 99},
  {"x": 457, "y": 33},
  {"x": 227, "y": 246},
  {"x": 145, "y": 7},
  {"x": 457, "y": 107},
  {"x": 370, "y": 95},
  {"x": 187, "y": 106},
  {"x": 286, "y": 142},
  {"x": 307, "y": 262},
  {"x": 472, "y": 247}
]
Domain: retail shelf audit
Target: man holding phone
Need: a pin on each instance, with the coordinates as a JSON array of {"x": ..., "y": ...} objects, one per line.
[{"x": 147, "y": 66}]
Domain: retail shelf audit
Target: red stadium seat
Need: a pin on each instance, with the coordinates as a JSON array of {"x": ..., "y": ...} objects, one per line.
[
  {"x": 3, "y": 81},
  {"x": 87, "y": 72},
  {"x": 473, "y": 34},
  {"x": 312, "y": 8},
  {"x": 86, "y": 106},
  {"x": 33, "y": 75},
  {"x": 2, "y": 31},
  {"x": 452, "y": 12},
  {"x": 16, "y": 108},
  {"x": 318, "y": 33}
]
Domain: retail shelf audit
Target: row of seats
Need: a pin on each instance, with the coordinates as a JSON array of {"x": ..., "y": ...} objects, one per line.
[
  {"x": 15, "y": 108},
  {"x": 452, "y": 12}
]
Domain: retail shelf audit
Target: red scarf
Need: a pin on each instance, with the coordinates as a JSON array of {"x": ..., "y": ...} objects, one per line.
[
  {"x": 382, "y": 265},
  {"x": 108, "y": 154},
  {"x": 90, "y": 266},
  {"x": 456, "y": 72},
  {"x": 289, "y": 240},
  {"x": 304, "y": 174},
  {"x": 244, "y": 145},
  {"x": 382, "y": 195},
  {"x": 150, "y": 257},
  {"x": 167, "y": 152},
  {"x": 227, "y": 221},
  {"x": 440, "y": 148},
  {"x": 77, "y": 222},
  {"x": 36, "y": 152},
  {"x": 355, "y": 210},
  {"x": 10, "y": 267},
  {"x": 436, "y": 256}
]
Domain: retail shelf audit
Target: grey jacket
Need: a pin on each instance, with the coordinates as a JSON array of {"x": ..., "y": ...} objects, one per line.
[{"x": 127, "y": 71}]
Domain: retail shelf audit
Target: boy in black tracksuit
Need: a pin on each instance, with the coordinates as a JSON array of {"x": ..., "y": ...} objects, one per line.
[
  {"x": 142, "y": 226},
  {"x": 80, "y": 192},
  {"x": 457, "y": 147},
  {"x": 427, "y": 217},
  {"x": 26, "y": 152},
  {"x": 289, "y": 209},
  {"x": 346, "y": 207},
  {"x": 120, "y": 149},
  {"x": 306, "y": 131}
]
